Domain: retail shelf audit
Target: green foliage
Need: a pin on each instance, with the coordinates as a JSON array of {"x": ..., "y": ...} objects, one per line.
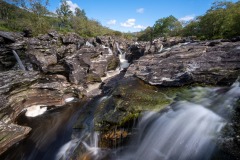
[
  {"x": 146, "y": 35},
  {"x": 40, "y": 20},
  {"x": 80, "y": 13},
  {"x": 64, "y": 14},
  {"x": 191, "y": 29},
  {"x": 168, "y": 26},
  {"x": 39, "y": 9},
  {"x": 164, "y": 27},
  {"x": 222, "y": 20},
  {"x": 117, "y": 33}
]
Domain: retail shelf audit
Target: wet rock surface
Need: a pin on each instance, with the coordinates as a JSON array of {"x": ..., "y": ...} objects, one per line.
[
  {"x": 190, "y": 63},
  {"x": 60, "y": 66},
  {"x": 11, "y": 134}
]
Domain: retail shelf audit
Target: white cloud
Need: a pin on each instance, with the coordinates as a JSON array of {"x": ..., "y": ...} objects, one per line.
[
  {"x": 187, "y": 18},
  {"x": 139, "y": 27},
  {"x": 129, "y": 23},
  {"x": 112, "y": 22},
  {"x": 72, "y": 5},
  {"x": 140, "y": 10}
]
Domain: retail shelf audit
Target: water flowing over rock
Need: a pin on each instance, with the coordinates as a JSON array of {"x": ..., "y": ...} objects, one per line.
[
  {"x": 58, "y": 67},
  {"x": 61, "y": 69},
  {"x": 190, "y": 130},
  {"x": 20, "y": 91},
  {"x": 19, "y": 60},
  {"x": 186, "y": 133}
]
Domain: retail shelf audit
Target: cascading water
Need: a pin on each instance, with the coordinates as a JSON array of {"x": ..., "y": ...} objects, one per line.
[
  {"x": 122, "y": 57},
  {"x": 188, "y": 131},
  {"x": 185, "y": 133},
  {"x": 92, "y": 147},
  {"x": 89, "y": 44},
  {"x": 19, "y": 60},
  {"x": 86, "y": 137}
]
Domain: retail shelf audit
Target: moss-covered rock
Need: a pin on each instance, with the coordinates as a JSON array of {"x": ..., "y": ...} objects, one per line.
[
  {"x": 129, "y": 99},
  {"x": 113, "y": 63},
  {"x": 93, "y": 78}
]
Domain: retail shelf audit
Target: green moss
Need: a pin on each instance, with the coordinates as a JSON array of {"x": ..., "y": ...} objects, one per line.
[
  {"x": 129, "y": 99},
  {"x": 113, "y": 63},
  {"x": 128, "y": 118},
  {"x": 92, "y": 78}
]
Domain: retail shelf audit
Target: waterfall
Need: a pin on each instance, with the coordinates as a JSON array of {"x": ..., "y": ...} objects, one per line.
[
  {"x": 188, "y": 131},
  {"x": 109, "y": 49},
  {"x": 18, "y": 60},
  {"x": 92, "y": 147},
  {"x": 161, "y": 48},
  {"x": 119, "y": 50},
  {"x": 89, "y": 44},
  {"x": 122, "y": 57}
]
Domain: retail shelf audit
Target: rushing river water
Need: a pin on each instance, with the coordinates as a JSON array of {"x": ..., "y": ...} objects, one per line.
[
  {"x": 49, "y": 132},
  {"x": 187, "y": 130}
]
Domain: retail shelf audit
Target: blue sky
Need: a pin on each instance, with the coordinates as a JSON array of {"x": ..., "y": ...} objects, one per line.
[{"x": 135, "y": 15}]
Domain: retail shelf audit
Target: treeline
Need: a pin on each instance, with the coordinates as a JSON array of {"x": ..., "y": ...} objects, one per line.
[
  {"x": 222, "y": 20},
  {"x": 33, "y": 15}
]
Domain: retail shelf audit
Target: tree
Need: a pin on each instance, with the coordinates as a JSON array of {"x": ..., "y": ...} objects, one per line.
[
  {"x": 191, "y": 29},
  {"x": 64, "y": 14},
  {"x": 39, "y": 9},
  {"x": 6, "y": 11},
  {"x": 80, "y": 13},
  {"x": 168, "y": 26},
  {"x": 146, "y": 35}
]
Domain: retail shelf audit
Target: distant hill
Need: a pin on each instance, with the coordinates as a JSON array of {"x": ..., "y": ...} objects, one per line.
[{"x": 14, "y": 18}]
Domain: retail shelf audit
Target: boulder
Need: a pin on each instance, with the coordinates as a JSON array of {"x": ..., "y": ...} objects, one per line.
[
  {"x": 112, "y": 63},
  {"x": 10, "y": 37},
  {"x": 127, "y": 99},
  {"x": 11, "y": 134},
  {"x": 72, "y": 38},
  {"x": 20, "y": 90},
  {"x": 43, "y": 59},
  {"x": 191, "y": 63}
]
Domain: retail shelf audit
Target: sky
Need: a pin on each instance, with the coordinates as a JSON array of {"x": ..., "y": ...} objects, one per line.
[{"x": 136, "y": 15}]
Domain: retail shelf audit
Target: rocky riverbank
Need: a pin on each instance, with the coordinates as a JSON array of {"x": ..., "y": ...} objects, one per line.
[{"x": 61, "y": 68}]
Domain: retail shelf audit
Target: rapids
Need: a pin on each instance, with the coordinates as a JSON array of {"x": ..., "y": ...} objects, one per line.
[{"x": 188, "y": 129}]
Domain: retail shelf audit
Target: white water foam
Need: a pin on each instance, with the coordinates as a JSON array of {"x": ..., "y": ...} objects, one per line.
[
  {"x": 92, "y": 87},
  {"x": 93, "y": 146},
  {"x": 123, "y": 62},
  {"x": 69, "y": 99},
  {"x": 110, "y": 74},
  {"x": 18, "y": 60},
  {"x": 187, "y": 133},
  {"x": 35, "y": 110},
  {"x": 89, "y": 44},
  {"x": 122, "y": 57},
  {"x": 66, "y": 148}
]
